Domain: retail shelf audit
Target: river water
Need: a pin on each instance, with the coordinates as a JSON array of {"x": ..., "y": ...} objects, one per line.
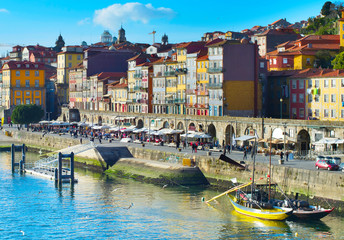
[{"x": 102, "y": 207}]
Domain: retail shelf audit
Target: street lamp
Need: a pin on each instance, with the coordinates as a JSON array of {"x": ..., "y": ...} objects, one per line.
[{"x": 281, "y": 101}]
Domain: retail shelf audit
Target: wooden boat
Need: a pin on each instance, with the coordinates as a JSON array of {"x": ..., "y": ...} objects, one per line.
[
  {"x": 312, "y": 213},
  {"x": 275, "y": 213}
]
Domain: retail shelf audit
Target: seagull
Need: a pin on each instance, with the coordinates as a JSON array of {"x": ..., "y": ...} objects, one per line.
[
  {"x": 165, "y": 186},
  {"x": 131, "y": 204},
  {"x": 116, "y": 189},
  {"x": 22, "y": 232}
]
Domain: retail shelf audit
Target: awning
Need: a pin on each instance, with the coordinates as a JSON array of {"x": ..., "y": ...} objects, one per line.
[
  {"x": 330, "y": 141},
  {"x": 169, "y": 95},
  {"x": 245, "y": 138},
  {"x": 107, "y": 95}
]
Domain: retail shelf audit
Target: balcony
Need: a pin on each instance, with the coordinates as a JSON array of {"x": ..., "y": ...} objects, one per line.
[
  {"x": 138, "y": 75},
  {"x": 203, "y": 105},
  {"x": 170, "y": 74},
  {"x": 179, "y": 100},
  {"x": 202, "y": 92},
  {"x": 190, "y": 91},
  {"x": 215, "y": 70},
  {"x": 215, "y": 85},
  {"x": 181, "y": 71}
]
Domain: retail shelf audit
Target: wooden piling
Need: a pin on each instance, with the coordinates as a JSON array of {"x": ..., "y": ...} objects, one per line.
[{"x": 12, "y": 157}]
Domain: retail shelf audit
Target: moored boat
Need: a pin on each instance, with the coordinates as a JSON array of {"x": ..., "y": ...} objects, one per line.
[{"x": 312, "y": 212}]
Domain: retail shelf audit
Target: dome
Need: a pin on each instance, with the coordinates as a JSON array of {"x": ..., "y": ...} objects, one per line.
[
  {"x": 83, "y": 43},
  {"x": 106, "y": 37}
]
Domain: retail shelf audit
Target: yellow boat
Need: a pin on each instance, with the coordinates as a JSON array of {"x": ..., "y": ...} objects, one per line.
[{"x": 276, "y": 213}]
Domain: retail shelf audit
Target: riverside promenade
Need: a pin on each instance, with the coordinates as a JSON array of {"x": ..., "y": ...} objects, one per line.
[{"x": 295, "y": 176}]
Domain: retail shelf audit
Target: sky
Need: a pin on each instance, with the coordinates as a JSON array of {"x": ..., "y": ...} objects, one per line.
[{"x": 26, "y": 22}]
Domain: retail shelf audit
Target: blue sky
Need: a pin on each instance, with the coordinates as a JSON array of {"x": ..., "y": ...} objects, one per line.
[{"x": 41, "y": 21}]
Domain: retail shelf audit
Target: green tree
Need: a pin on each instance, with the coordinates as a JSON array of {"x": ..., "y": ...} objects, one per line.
[
  {"x": 325, "y": 58},
  {"x": 25, "y": 114},
  {"x": 326, "y": 9},
  {"x": 338, "y": 62}
]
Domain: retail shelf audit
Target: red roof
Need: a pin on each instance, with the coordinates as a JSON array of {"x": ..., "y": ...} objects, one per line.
[
  {"x": 318, "y": 73},
  {"x": 23, "y": 65}
]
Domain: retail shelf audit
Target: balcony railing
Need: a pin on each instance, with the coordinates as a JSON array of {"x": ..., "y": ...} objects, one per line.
[
  {"x": 202, "y": 105},
  {"x": 215, "y": 70},
  {"x": 179, "y": 100},
  {"x": 180, "y": 71},
  {"x": 138, "y": 75},
  {"x": 202, "y": 92},
  {"x": 170, "y": 73},
  {"x": 215, "y": 85}
]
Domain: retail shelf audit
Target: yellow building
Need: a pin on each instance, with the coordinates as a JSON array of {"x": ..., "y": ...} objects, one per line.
[
  {"x": 119, "y": 93},
  {"x": 23, "y": 83},
  {"x": 324, "y": 93},
  {"x": 341, "y": 30},
  {"x": 69, "y": 57},
  {"x": 202, "y": 85}
]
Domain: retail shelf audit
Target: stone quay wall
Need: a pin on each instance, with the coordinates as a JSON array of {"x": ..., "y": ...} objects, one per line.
[{"x": 322, "y": 184}]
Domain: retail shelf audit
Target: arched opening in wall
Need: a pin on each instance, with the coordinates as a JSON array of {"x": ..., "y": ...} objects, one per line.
[
  {"x": 139, "y": 123},
  {"x": 180, "y": 126},
  {"x": 192, "y": 127},
  {"x": 200, "y": 127},
  {"x": 212, "y": 131},
  {"x": 230, "y": 135},
  {"x": 303, "y": 141},
  {"x": 277, "y": 133},
  {"x": 166, "y": 125},
  {"x": 249, "y": 131},
  {"x": 100, "y": 120},
  {"x": 64, "y": 118}
]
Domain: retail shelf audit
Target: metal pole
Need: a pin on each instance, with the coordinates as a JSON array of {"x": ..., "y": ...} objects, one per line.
[
  {"x": 281, "y": 100},
  {"x": 285, "y": 132},
  {"x": 72, "y": 167},
  {"x": 254, "y": 165},
  {"x": 23, "y": 159},
  {"x": 60, "y": 168},
  {"x": 12, "y": 157}
]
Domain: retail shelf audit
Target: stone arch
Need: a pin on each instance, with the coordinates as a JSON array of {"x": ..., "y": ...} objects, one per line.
[
  {"x": 200, "y": 127},
  {"x": 212, "y": 130},
  {"x": 192, "y": 127},
  {"x": 248, "y": 130},
  {"x": 139, "y": 123},
  {"x": 303, "y": 142},
  {"x": 230, "y": 134},
  {"x": 180, "y": 126},
  {"x": 277, "y": 133},
  {"x": 100, "y": 120},
  {"x": 166, "y": 124}
]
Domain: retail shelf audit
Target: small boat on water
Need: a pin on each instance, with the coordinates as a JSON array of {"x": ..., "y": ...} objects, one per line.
[{"x": 255, "y": 210}]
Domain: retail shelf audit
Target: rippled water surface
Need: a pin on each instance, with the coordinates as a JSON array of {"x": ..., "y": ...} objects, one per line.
[{"x": 99, "y": 207}]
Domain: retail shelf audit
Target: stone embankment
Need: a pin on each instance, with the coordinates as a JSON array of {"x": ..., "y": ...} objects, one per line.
[{"x": 311, "y": 183}]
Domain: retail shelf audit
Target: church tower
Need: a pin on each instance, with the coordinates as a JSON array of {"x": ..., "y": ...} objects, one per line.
[
  {"x": 164, "y": 39},
  {"x": 121, "y": 36},
  {"x": 59, "y": 44}
]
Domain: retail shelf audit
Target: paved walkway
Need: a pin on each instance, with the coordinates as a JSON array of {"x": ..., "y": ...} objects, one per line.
[{"x": 235, "y": 155}]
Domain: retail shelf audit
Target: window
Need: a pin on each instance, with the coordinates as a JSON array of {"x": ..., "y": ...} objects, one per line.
[
  {"x": 18, "y": 93},
  {"x": 316, "y": 83},
  {"x": 17, "y": 73},
  {"x": 270, "y": 61},
  {"x": 342, "y": 113},
  {"x": 333, "y": 113},
  {"x": 326, "y": 83},
  {"x": 36, "y": 93},
  {"x": 333, "y": 98},
  {"x": 316, "y": 98},
  {"x": 326, "y": 113},
  {"x": 36, "y": 73},
  {"x": 27, "y": 93},
  {"x": 308, "y": 61},
  {"x": 274, "y": 61},
  {"x": 310, "y": 98},
  {"x": 27, "y": 101},
  {"x": 27, "y": 83},
  {"x": 78, "y": 57},
  {"x": 285, "y": 60},
  {"x": 301, "y": 98},
  {"x": 325, "y": 98},
  {"x": 301, "y": 84},
  {"x": 342, "y": 98},
  {"x": 37, "y": 101},
  {"x": 294, "y": 98},
  {"x": 309, "y": 83},
  {"x": 302, "y": 112},
  {"x": 27, "y": 73},
  {"x": 262, "y": 64},
  {"x": 316, "y": 113},
  {"x": 333, "y": 83},
  {"x": 17, "y": 83},
  {"x": 342, "y": 81},
  {"x": 293, "y": 84},
  {"x": 18, "y": 101}
]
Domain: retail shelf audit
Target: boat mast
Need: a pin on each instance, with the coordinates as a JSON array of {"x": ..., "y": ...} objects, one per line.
[
  {"x": 270, "y": 167},
  {"x": 254, "y": 165}
]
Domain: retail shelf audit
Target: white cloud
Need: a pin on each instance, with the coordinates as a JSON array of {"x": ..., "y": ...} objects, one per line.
[
  {"x": 112, "y": 16},
  {"x": 84, "y": 21},
  {"x": 3, "y": 10}
]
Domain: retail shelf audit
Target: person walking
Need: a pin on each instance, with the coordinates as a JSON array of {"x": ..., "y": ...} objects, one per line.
[
  {"x": 282, "y": 154},
  {"x": 287, "y": 156},
  {"x": 245, "y": 154}
]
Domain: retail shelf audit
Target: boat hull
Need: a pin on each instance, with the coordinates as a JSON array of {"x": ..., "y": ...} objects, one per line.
[
  {"x": 275, "y": 214},
  {"x": 313, "y": 214}
]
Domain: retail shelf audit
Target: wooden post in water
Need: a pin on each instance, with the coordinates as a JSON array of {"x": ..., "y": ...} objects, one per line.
[
  {"x": 12, "y": 157},
  {"x": 72, "y": 168},
  {"x": 22, "y": 162},
  {"x": 60, "y": 168}
]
